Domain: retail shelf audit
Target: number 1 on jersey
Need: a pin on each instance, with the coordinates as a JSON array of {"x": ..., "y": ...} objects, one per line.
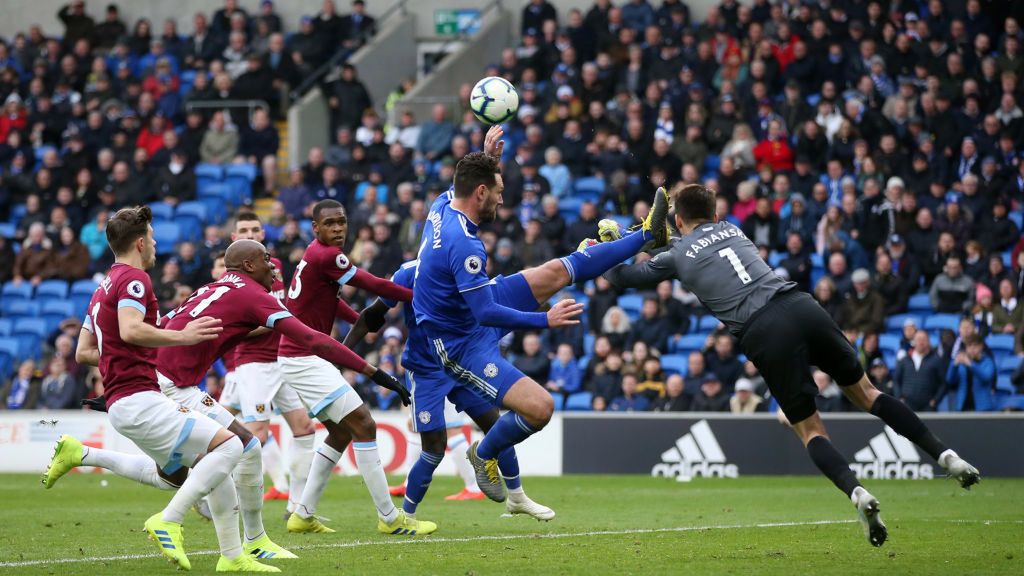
[{"x": 736, "y": 264}]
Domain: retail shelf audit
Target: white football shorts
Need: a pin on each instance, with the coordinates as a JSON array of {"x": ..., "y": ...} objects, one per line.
[
  {"x": 172, "y": 435},
  {"x": 320, "y": 386}
]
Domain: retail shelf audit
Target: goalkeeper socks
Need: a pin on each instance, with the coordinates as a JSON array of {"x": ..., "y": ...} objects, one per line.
[
  {"x": 594, "y": 261},
  {"x": 420, "y": 475},
  {"x": 902, "y": 419},
  {"x": 368, "y": 461},
  {"x": 300, "y": 459},
  {"x": 458, "y": 446},
  {"x": 141, "y": 469},
  {"x": 224, "y": 510},
  {"x": 508, "y": 463},
  {"x": 207, "y": 474},
  {"x": 509, "y": 430},
  {"x": 832, "y": 464},
  {"x": 248, "y": 476},
  {"x": 320, "y": 471},
  {"x": 273, "y": 464}
]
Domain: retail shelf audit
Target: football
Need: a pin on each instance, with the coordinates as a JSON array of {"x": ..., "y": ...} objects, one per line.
[{"x": 494, "y": 100}]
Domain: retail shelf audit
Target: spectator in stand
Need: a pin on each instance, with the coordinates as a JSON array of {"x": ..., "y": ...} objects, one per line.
[
  {"x": 296, "y": 197},
  {"x": 890, "y": 286},
  {"x": 952, "y": 292},
  {"x": 7, "y": 258},
  {"x": 722, "y": 361},
  {"x": 744, "y": 400},
  {"x": 70, "y": 257},
  {"x": 825, "y": 295},
  {"x": 358, "y": 27},
  {"x": 762, "y": 227},
  {"x": 220, "y": 143},
  {"x": 712, "y": 396},
  {"x": 997, "y": 232},
  {"x": 839, "y": 274},
  {"x": 864, "y": 309},
  {"x": 616, "y": 327},
  {"x": 59, "y": 390},
  {"x": 564, "y": 376},
  {"x": 23, "y": 391},
  {"x": 259, "y": 140},
  {"x": 972, "y": 377},
  {"x": 533, "y": 361},
  {"x": 774, "y": 150},
  {"x": 674, "y": 400},
  {"x": 174, "y": 183},
  {"x": 920, "y": 380},
  {"x": 652, "y": 327},
  {"x": 35, "y": 261},
  {"x": 629, "y": 400},
  {"x": 556, "y": 173},
  {"x": 797, "y": 262},
  {"x": 348, "y": 99},
  {"x": 436, "y": 135}
]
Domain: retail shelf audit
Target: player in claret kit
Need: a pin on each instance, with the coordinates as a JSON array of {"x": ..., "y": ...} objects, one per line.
[
  {"x": 260, "y": 388},
  {"x": 314, "y": 298},
  {"x": 120, "y": 336},
  {"x": 784, "y": 332}
]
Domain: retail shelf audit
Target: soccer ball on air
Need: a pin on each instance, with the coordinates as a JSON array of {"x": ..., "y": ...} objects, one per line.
[{"x": 494, "y": 100}]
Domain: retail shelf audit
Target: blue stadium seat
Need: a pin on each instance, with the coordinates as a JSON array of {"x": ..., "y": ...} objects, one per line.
[
  {"x": 888, "y": 342},
  {"x": 675, "y": 363},
  {"x": 7, "y": 230},
  {"x": 920, "y": 303},
  {"x": 190, "y": 228},
  {"x": 690, "y": 342},
  {"x": 17, "y": 308},
  {"x": 52, "y": 289},
  {"x": 590, "y": 187},
  {"x": 162, "y": 211},
  {"x": 216, "y": 212},
  {"x": 712, "y": 162},
  {"x": 570, "y": 207},
  {"x": 1007, "y": 364},
  {"x": 895, "y": 322},
  {"x": 210, "y": 172},
  {"x": 817, "y": 261},
  {"x": 30, "y": 332},
  {"x": 194, "y": 208},
  {"x": 6, "y": 325},
  {"x": 774, "y": 258},
  {"x": 239, "y": 177},
  {"x": 1008, "y": 260},
  {"x": 583, "y": 362},
  {"x": 1017, "y": 218},
  {"x": 81, "y": 303},
  {"x": 41, "y": 151},
  {"x": 12, "y": 291},
  {"x": 247, "y": 171},
  {"x": 708, "y": 323},
  {"x": 167, "y": 235},
  {"x": 890, "y": 359},
  {"x": 211, "y": 189},
  {"x": 84, "y": 287},
  {"x": 1013, "y": 402},
  {"x": 8, "y": 354},
  {"x": 56, "y": 311},
  {"x": 588, "y": 343},
  {"x": 1000, "y": 342},
  {"x": 579, "y": 402},
  {"x": 1004, "y": 386},
  {"x": 631, "y": 302},
  {"x": 18, "y": 212},
  {"x": 941, "y": 321},
  {"x": 559, "y": 401}
]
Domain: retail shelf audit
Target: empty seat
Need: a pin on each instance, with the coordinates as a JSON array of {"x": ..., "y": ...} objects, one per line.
[
  {"x": 631, "y": 302},
  {"x": 1000, "y": 342},
  {"x": 889, "y": 342},
  {"x": 920, "y": 303},
  {"x": 194, "y": 208},
  {"x": 30, "y": 333},
  {"x": 86, "y": 287},
  {"x": 7, "y": 230},
  {"x": 709, "y": 323},
  {"x": 675, "y": 364},
  {"x": 56, "y": 311},
  {"x": 579, "y": 402},
  {"x": 167, "y": 235},
  {"x": 6, "y": 325},
  {"x": 19, "y": 308},
  {"x": 12, "y": 290},
  {"x": 590, "y": 187},
  {"x": 162, "y": 211},
  {"x": 8, "y": 354},
  {"x": 1007, "y": 364},
  {"x": 942, "y": 321},
  {"x": 895, "y": 322},
  {"x": 690, "y": 342},
  {"x": 52, "y": 289}
]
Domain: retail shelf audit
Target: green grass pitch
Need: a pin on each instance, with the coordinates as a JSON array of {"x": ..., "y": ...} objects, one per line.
[{"x": 605, "y": 525}]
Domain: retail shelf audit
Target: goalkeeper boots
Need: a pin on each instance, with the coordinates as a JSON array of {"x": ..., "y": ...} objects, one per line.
[{"x": 67, "y": 454}]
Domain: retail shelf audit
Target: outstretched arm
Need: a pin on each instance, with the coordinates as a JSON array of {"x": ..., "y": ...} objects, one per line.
[
  {"x": 371, "y": 320},
  {"x": 323, "y": 345},
  {"x": 643, "y": 275},
  {"x": 345, "y": 313},
  {"x": 381, "y": 287},
  {"x": 489, "y": 313}
]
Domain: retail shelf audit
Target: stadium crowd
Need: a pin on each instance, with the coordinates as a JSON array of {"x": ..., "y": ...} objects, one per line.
[{"x": 871, "y": 149}]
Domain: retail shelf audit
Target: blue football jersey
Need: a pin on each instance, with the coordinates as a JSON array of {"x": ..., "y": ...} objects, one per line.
[
  {"x": 415, "y": 357},
  {"x": 452, "y": 261}
]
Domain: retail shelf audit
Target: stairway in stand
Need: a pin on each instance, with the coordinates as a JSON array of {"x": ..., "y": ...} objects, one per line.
[{"x": 262, "y": 205}]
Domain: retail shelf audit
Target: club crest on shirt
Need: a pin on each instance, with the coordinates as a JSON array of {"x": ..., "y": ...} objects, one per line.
[
  {"x": 208, "y": 401},
  {"x": 261, "y": 408},
  {"x": 473, "y": 264},
  {"x": 490, "y": 370},
  {"x": 136, "y": 289},
  {"x": 424, "y": 417},
  {"x": 341, "y": 261},
  {"x": 183, "y": 409}
]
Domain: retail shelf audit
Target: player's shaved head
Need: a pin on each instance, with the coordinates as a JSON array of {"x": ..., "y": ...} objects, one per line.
[{"x": 240, "y": 251}]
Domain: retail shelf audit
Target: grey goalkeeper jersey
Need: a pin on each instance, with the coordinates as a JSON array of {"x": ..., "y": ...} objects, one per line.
[{"x": 719, "y": 265}]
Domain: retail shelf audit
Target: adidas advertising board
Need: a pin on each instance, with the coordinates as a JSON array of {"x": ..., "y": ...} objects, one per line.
[
  {"x": 706, "y": 445},
  {"x": 696, "y": 453},
  {"x": 889, "y": 455}
]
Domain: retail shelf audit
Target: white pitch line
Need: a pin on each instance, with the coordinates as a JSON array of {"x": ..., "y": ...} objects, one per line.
[{"x": 428, "y": 540}]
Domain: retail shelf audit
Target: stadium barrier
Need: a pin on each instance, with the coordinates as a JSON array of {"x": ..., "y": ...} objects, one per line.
[
  {"x": 27, "y": 439},
  {"x": 722, "y": 445},
  {"x": 663, "y": 445}
]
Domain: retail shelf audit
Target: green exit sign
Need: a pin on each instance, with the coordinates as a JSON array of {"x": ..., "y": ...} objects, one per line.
[{"x": 456, "y": 22}]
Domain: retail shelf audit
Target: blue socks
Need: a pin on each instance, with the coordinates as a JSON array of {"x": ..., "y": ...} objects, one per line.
[
  {"x": 509, "y": 466},
  {"x": 509, "y": 430},
  {"x": 596, "y": 260},
  {"x": 420, "y": 475}
]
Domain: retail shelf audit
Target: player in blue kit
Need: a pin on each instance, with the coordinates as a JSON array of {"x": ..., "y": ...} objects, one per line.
[{"x": 457, "y": 317}]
